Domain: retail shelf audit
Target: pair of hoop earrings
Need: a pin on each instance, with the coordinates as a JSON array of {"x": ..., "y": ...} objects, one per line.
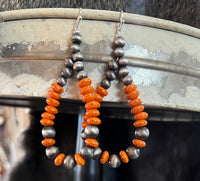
[{"x": 92, "y": 100}]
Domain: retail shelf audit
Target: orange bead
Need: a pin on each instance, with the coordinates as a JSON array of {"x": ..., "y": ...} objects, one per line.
[
  {"x": 92, "y": 105},
  {"x": 139, "y": 143},
  {"x": 104, "y": 157},
  {"x": 84, "y": 82},
  {"x": 48, "y": 142},
  {"x": 141, "y": 115},
  {"x": 102, "y": 91},
  {"x": 54, "y": 95},
  {"x": 84, "y": 124},
  {"x": 51, "y": 109},
  {"x": 123, "y": 156},
  {"x": 47, "y": 115},
  {"x": 130, "y": 88},
  {"x": 79, "y": 159},
  {"x": 92, "y": 113},
  {"x": 135, "y": 102},
  {"x": 133, "y": 95},
  {"x": 59, "y": 159},
  {"x": 94, "y": 121},
  {"x": 46, "y": 122},
  {"x": 89, "y": 97},
  {"x": 86, "y": 90},
  {"x": 92, "y": 142},
  {"x": 52, "y": 102},
  {"x": 98, "y": 97},
  {"x": 57, "y": 88},
  {"x": 140, "y": 123},
  {"x": 85, "y": 117},
  {"x": 137, "y": 109}
]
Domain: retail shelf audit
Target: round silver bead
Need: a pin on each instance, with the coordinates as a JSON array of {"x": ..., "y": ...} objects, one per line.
[
  {"x": 123, "y": 62},
  {"x": 74, "y": 48},
  {"x": 81, "y": 75},
  {"x": 66, "y": 72},
  {"x": 110, "y": 75},
  {"x": 97, "y": 153},
  {"x": 48, "y": 132},
  {"x": 118, "y": 52},
  {"x": 69, "y": 162},
  {"x": 114, "y": 161},
  {"x": 105, "y": 83},
  {"x": 133, "y": 152},
  {"x": 69, "y": 62},
  {"x": 91, "y": 131},
  {"x": 87, "y": 152},
  {"x": 142, "y": 133},
  {"x": 83, "y": 135},
  {"x": 52, "y": 152},
  {"x": 78, "y": 66},
  {"x": 76, "y": 38},
  {"x": 113, "y": 65},
  {"x": 61, "y": 81},
  {"x": 127, "y": 80},
  {"x": 119, "y": 42},
  {"x": 77, "y": 57},
  {"x": 123, "y": 72}
]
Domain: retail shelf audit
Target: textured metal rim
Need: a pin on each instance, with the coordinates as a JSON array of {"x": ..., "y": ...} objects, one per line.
[{"x": 100, "y": 15}]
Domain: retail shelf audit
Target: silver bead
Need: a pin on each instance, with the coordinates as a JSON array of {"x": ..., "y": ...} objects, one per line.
[
  {"x": 69, "y": 62},
  {"x": 66, "y": 72},
  {"x": 87, "y": 152},
  {"x": 48, "y": 132},
  {"x": 142, "y": 133},
  {"x": 81, "y": 75},
  {"x": 83, "y": 135},
  {"x": 52, "y": 152},
  {"x": 110, "y": 75},
  {"x": 76, "y": 38},
  {"x": 123, "y": 62},
  {"x": 77, "y": 57},
  {"x": 105, "y": 83},
  {"x": 113, "y": 65},
  {"x": 123, "y": 72},
  {"x": 74, "y": 48},
  {"x": 91, "y": 131},
  {"x": 114, "y": 161},
  {"x": 118, "y": 52},
  {"x": 78, "y": 66},
  {"x": 61, "y": 81},
  {"x": 69, "y": 162},
  {"x": 133, "y": 152},
  {"x": 127, "y": 80},
  {"x": 119, "y": 42},
  {"x": 97, "y": 153}
]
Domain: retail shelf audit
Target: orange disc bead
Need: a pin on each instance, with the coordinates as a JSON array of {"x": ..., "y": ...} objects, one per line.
[
  {"x": 98, "y": 97},
  {"x": 52, "y": 102},
  {"x": 46, "y": 122},
  {"x": 86, "y": 90},
  {"x": 140, "y": 123},
  {"x": 85, "y": 117},
  {"x": 92, "y": 105},
  {"x": 57, "y": 88},
  {"x": 141, "y": 115},
  {"x": 139, "y": 143},
  {"x": 93, "y": 121},
  {"x": 84, "y": 82},
  {"x": 47, "y": 115},
  {"x": 48, "y": 142},
  {"x": 133, "y": 95},
  {"x": 102, "y": 91},
  {"x": 79, "y": 159},
  {"x": 59, "y": 159},
  {"x": 51, "y": 109},
  {"x": 123, "y": 156},
  {"x": 135, "y": 102},
  {"x": 130, "y": 88},
  {"x": 54, "y": 95},
  {"x": 92, "y": 142},
  {"x": 104, "y": 157},
  {"x": 137, "y": 109},
  {"x": 89, "y": 97},
  {"x": 92, "y": 113},
  {"x": 84, "y": 124}
]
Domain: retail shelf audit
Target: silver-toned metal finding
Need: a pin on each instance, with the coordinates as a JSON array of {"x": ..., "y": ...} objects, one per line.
[
  {"x": 79, "y": 18},
  {"x": 121, "y": 22}
]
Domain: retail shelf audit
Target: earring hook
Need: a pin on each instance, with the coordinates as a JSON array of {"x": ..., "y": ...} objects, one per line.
[
  {"x": 121, "y": 22},
  {"x": 79, "y": 18}
]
